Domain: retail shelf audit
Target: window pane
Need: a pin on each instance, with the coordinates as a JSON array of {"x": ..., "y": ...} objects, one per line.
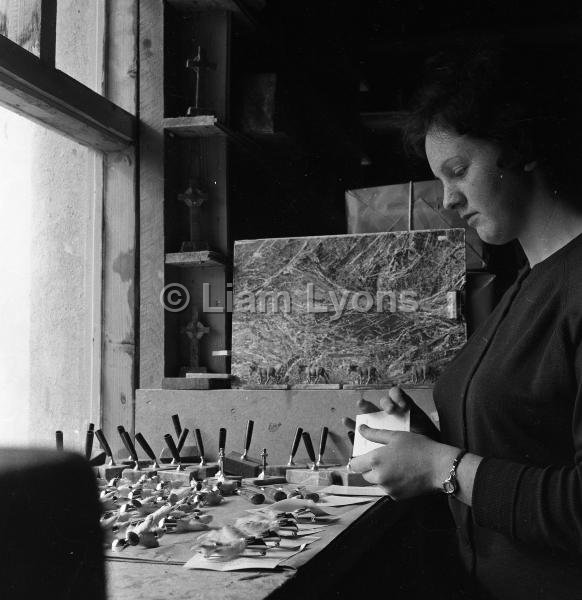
[
  {"x": 20, "y": 22},
  {"x": 47, "y": 274},
  {"x": 79, "y": 49}
]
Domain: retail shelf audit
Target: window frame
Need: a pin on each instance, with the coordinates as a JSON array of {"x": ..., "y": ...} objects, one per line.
[{"x": 33, "y": 87}]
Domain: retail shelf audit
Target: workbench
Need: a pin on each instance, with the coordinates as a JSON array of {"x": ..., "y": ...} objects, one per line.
[{"x": 314, "y": 570}]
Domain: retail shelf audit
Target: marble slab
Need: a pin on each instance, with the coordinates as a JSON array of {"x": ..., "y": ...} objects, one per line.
[{"x": 362, "y": 308}]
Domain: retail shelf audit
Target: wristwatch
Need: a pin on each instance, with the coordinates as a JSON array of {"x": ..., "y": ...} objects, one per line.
[{"x": 450, "y": 485}]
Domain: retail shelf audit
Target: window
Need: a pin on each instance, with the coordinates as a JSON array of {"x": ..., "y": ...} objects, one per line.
[
  {"x": 66, "y": 173},
  {"x": 47, "y": 266}
]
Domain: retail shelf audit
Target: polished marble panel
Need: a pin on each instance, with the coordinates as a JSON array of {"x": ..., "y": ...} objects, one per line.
[{"x": 363, "y": 308}]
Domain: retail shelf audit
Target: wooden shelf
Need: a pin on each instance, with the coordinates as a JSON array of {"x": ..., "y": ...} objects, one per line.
[
  {"x": 195, "y": 127},
  {"x": 201, "y": 259},
  {"x": 243, "y": 10}
]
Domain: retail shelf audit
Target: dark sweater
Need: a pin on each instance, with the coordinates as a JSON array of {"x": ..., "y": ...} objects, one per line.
[{"x": 513, "y": 395}]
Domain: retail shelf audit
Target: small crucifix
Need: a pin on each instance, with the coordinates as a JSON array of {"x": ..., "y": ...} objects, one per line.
[
  {"x": 194, "y": 197},
  {"x": 194, "y": 331},
  {"x": 196, "y": 64}
]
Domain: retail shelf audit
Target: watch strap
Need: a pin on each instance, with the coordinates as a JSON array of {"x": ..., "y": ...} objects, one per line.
[{"x": 450, "y": 485}]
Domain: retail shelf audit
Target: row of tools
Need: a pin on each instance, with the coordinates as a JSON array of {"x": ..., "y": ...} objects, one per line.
[{"x": 180, "y": 462}]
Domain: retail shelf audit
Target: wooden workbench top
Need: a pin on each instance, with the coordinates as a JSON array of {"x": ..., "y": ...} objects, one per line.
[{"x": 339, "y": 546}]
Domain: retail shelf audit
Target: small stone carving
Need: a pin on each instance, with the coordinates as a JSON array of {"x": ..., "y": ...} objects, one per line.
[
  {"x": 421, "y": 372},
  {"x": 364, "y": 375},
  {"x": 272, "y": 374},
  {"x": 314, "y": 373}
]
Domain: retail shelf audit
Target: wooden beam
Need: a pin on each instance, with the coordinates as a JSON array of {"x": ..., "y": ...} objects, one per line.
[
  {"x": 120, "y": 207},
  {"x": 151, "y": 193},
  {"x": 46, "y": 95},
  {"x": 48, "y": 31}
]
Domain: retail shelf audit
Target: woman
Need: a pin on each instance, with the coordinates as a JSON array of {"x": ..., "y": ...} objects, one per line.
[{"x": 499, "y": 130}]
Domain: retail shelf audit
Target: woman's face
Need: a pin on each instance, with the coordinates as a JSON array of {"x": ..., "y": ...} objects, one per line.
[{"x": 492, "y": 199}]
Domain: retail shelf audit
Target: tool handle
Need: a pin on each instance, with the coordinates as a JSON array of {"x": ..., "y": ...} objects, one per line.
[
  {"x": 296, "y": 441},
  {"x": 177, "y": 426},
  {"x": 222, "y": 439},
  {"x": 59, "y": 439},
  {"x": 120, "y": 430},
  {"x": 172, "y": 447},
  {"x": 103, "y": 441},
  {"x": 199, "y": 442},
  {"x": 308, "y": 445},
  {"x": 351, "y": 436},
  {"x": 323, "y": 441},
  {"x": 182, "y": 439},
  {"x": 89, "y": 443},
  {"x": 274, "y": 494},
  {"x": 252, "y": 496},
  {"x": 129, "y": 445},
  {"x": 91, "y": 427},
  {"x": 145, "y": 446},
  {"x": 248, "y": 435}
]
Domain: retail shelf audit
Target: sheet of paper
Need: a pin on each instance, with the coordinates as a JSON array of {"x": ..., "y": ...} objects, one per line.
[
  {"x": 270, "y": 561},
  {"x": 291, "y": 505},
  {"x": 364, "y": 490},
  {"x": 377, "y": 420},
  {"x": 295, "y": 543},
  {"x": 332, "y": 500},
  {"x": 307, "y": 532}
]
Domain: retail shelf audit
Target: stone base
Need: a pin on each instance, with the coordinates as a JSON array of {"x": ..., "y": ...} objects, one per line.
[
  {"x": 189, "y": 454},
  {"x": 134, "y": 476},
  {"x": 349, "y": 478},
  {"x": 281, "y": 470},
  {"x": 107, "y": 472},
  {"x": 364, "y": 386},
  {"x": 233, "y": 465},
  {"x": 312, "y": 478},
  {"x": 270, "y": 386},
  {"x": 316, "y": 386}
]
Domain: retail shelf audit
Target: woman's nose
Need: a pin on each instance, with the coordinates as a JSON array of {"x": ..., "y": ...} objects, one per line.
[{"x": 452, "y": 198}]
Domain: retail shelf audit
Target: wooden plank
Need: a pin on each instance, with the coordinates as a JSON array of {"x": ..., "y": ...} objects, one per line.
[
  {"x": 96, "y": 226},
  {"x": 119, "y": 234},
  {"x": 151, "y": 193},
  {"x": 277, "y": 414},
  {"x": 243, "y": 10},
  {"x": 194, "y": 127},
  {"x": 48, "y": 31},
  {"x": 20, "y": 22},
  {"x": 203, "y": 258},
  {"x": 232, "y": 5},
  {"x": 49, "y": 96}
]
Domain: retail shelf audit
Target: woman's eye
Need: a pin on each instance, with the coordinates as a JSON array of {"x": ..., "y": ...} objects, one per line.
[{"x": 459, "y": 171}]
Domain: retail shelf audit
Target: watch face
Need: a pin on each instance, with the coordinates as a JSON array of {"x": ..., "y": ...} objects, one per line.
[{"x": 449, "y": 487}]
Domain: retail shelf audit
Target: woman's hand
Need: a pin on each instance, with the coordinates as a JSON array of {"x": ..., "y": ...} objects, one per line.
[
  {"x": 408, "y": 464},
  {"x": 399, "y": 402}
]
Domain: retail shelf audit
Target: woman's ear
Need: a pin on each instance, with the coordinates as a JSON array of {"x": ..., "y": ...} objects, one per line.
[{"x": 528, "y": 167}]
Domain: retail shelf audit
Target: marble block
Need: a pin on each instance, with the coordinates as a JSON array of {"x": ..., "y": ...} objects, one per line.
[{"x": 347, "y": 309}]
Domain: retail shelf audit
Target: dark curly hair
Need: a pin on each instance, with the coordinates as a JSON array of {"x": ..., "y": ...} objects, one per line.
[{"x": 528, "y": 99}]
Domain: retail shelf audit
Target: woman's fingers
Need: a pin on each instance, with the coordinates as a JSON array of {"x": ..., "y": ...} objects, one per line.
[
  {"x": 364, "y": 406},
  {"x": 367, "y": 407},
  {"x": 389, "y": 406},
  {"x": 380, "y": 436},
  {"x": 349, "y": 423},
  {"x": 400, "y": 398}
]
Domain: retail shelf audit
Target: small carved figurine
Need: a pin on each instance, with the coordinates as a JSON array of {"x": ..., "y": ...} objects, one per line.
[
  {"x": 260, "y": 373},
  {"x": 364, "y": 375},
  {"x": 314, "y": 373}
]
